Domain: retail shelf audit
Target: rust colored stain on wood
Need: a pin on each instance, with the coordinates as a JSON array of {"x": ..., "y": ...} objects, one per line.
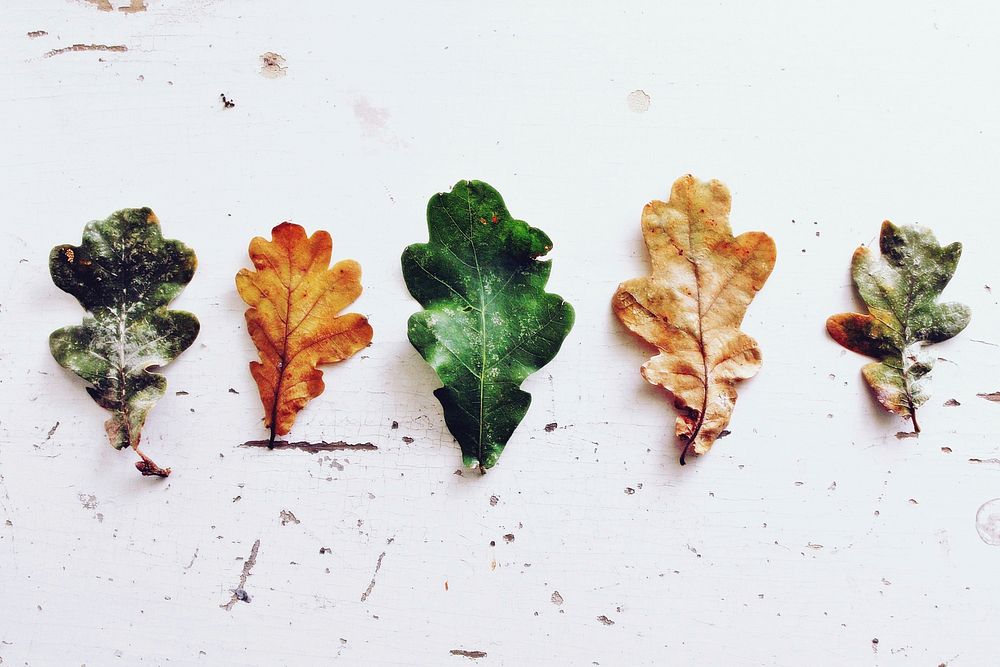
[{"x": 314, "y": 447}]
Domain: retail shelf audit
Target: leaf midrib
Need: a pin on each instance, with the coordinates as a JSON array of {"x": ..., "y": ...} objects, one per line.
[
  {"x": 904, "y": 326},
  {"x": 701, "y": 339},
  {"x": 482, "y": 334}
]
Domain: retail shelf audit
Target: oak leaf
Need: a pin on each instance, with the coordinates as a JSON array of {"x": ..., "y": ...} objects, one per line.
[
  {"x": 295, "y": 297},
  {"x": 488, "y": 322},
  {"x": 901, "y": 289},
  {"x": 124, "y": 274},
  {"x": 692, "y": 304}
]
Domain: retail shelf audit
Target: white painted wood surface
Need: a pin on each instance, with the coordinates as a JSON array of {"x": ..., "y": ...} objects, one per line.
[{"x": 803, "y": 537}]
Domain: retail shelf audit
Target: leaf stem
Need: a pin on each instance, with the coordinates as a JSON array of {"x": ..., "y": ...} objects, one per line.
[
  {"x": 148, "y": 467},
  {"x": 913, "y": 418},
  {"x": 684, "y": 452},
  {"x": 274, "y": 424}
]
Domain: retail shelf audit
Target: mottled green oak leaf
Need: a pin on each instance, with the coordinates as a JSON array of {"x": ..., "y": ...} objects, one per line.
[
  {"x": 488, "y": 322},
  {"x": 901, "y": 289},
  {"x": 124, "y": 274}
]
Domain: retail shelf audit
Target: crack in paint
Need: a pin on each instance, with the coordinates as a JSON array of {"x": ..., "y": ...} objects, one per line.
[
  {"x": 116, "y": 48},
  {"x": 314, "y": 447},
  {"x": 239, "y": 594}
]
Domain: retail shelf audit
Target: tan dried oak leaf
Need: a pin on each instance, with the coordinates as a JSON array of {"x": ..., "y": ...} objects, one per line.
[{"x": 692, "y": 304}]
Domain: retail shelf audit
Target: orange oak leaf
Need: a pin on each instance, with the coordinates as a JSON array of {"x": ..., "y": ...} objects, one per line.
[
  {"x": 692, "y": 304},
  {"x": 294, "y": 298}
]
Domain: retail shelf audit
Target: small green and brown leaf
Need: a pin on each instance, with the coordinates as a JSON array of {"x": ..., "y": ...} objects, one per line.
[
  {"x": 901, "y": 289},
  {"x": 124, "y": 274}
]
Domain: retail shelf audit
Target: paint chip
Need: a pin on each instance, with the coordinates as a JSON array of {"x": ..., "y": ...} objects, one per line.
[
  {"x": 988, "y": 522},
  {"x": 134, "y": 7},
  {"x": 272, "y": 65},
  {"x": 638, "y": 101},
  {"x": 115, "y": 48}
]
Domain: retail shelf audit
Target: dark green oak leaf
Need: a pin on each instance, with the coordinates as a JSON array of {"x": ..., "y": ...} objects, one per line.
[
  {"x": 488, "y": 322},
  {"x": 124, "y": 274},
  {"x": 901, "y": 289}
]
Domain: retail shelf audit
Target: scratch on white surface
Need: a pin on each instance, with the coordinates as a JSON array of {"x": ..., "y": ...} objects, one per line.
[
  {"x": 239, "y": 593},
  {"x": 473, "y": 655},
  {"x": 371, "y": 585},
  {"x": 115, "y": 48}
]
